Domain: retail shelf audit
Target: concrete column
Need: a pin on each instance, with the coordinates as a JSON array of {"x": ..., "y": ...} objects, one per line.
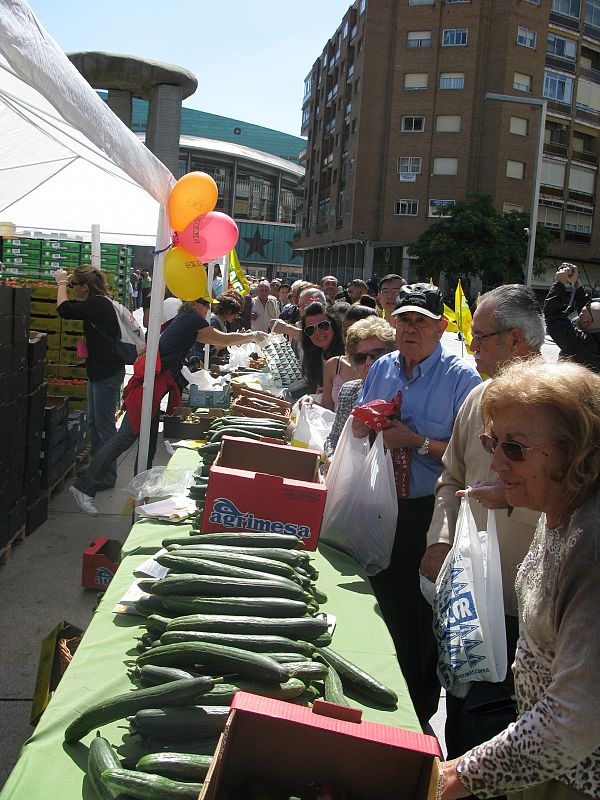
[
  {"x": 120, "y": 103},
  {"x": 369, "y": 254},
  {"x": 164, "y": 124}
]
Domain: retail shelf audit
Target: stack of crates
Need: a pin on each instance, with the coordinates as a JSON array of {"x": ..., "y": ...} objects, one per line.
[
  {"x": 58, "y": 450},
  {"x": 22, "y": 258},
  {"x": 37, "y": 504}
]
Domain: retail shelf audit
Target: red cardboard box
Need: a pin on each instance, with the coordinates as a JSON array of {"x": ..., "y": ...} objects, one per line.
[
  {"x": 100, "y": 562},
  {"x": 286, "y": 746},
  {"x": 262, "y": 487}
]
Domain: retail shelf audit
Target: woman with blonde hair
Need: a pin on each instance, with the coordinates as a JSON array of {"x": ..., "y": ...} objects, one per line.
[{"x": 542, "y": 424}]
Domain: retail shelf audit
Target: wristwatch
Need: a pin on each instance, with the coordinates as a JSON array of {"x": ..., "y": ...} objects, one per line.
[{"x": 423, "y": 450}]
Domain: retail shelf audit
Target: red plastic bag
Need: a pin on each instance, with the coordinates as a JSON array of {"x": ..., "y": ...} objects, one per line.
[{"x": 377, "y": 413}]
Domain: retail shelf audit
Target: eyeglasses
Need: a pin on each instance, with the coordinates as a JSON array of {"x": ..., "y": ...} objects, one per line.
[
  {"x": 324, "y": 325},
  {"x": 479, "y": 337},
  {"x": 361, "y": 358},
  {"x": 512, "y": 450},
  {"x": 389, "y": 292}
]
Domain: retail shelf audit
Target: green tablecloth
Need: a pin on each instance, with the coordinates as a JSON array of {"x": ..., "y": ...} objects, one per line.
[{"x": 48, "y": 769}]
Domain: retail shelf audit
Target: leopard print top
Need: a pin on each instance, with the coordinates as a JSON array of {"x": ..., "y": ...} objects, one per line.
[{"x": 556, "y": 669}]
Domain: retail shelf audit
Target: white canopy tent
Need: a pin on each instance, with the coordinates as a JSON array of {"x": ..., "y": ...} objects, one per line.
[{"x": 78, "y": 156}]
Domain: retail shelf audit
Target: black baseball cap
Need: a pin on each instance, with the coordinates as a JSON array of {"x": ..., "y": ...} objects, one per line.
[{"x": 422, "y": 298}]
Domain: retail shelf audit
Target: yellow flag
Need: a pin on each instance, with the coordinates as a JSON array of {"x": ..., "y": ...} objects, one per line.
[
  {"x": 451, "y": 317},
  {"x": 237, "y": 277},
  {"x": 463, "y": 314}
]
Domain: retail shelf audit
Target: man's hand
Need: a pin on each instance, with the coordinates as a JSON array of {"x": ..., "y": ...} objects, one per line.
[
  {"x": 567, "y": 273},
  {"x": 491, "y": 494},
  {"x": 432, "y": 560},
  {"x": 399, "y": 435},
  {"x": 359, "y": 429}
]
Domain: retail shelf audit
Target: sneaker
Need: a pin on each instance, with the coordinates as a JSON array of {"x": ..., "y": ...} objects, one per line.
[{"x": 84, "y": 501}]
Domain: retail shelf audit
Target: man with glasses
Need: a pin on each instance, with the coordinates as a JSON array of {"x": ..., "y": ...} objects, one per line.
[
  {"x": 431, "y": 384},
  {"x": 507, "y": 325},
  {"x": 387, "y": 294}
]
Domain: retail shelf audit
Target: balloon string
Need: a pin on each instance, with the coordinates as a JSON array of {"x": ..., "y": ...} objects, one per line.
[{"x": 156, "y": 252}]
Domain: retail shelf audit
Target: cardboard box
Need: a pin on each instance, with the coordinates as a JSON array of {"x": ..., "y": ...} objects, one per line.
[
  {"x": 264, "y": 487},
  {"x": 100, "y": 562},
  {"x": 63, "y": 639},
  {"x": 199, "y": 398},
  {"x": 287, "y": 747},
  {"x": 175, "y": 427}
]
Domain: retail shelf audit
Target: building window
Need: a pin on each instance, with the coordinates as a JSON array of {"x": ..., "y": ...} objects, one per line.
[
  {"x": 418, "y": 39},
  {"x": 307, "y": 86},
  {"x": 526, "y": 37},
  {"x": 552, "y": 173},
  {"x": 436, "y": 207},
  {"x": 578, "y": 222},
  {"x": 353, "y": 127},
  {"x": 420, "y": 2},
  {"x": 414, "y": 81},
  {"x": 413, "y": 124},
  {"x": 581, "y": 180},
  {"x": 448, "y": 123},
  {"x": 363, "y": 6},
  {"x": 452, "y": 80},
  {"x": 357, "y": 86},
  {"x": 445, "y": 166},
  {"x": 588, "y": 95},
  {"x": 406, "y": 208},
  {"x": 570, "y": 8},
  {"x": 457, "y": 1},
  {"x": 534, "y": 2},
  {"x": 550, "y": 217},
  {"x": 305, "y": 116},
  {"x": 345, "y": 29},
  {"x": 515, "y": 169},
  {"x": 519, "y": 126},
  {"x": 522, "y": 82},
  {"x": 455, "y": 37},
  {"x": 592, "y": 13},
  {"x": 558, "y": 87},
  {"x": 508, "y": 208},
  {"x": 409, "y": 165},
  {"x": 561, "y": 47}
]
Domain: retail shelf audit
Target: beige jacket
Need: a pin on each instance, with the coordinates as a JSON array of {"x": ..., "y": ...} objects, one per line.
[{"x": 466, "y": 462}]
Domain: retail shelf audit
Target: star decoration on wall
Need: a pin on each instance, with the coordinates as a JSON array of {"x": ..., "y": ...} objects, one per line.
[
  {"x": 256, "y": 244},
  {"x": 297, "y": 253}
]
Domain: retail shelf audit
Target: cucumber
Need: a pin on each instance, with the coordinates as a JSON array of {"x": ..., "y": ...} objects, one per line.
[
  {"x": 274, "y": 607},
  {"x": 208, "y": 585},
  {"x": 319, "y": 596},
  {"x": 204, "y": 566},
  {"x": 149, "y": 787},
  {"x": 193, "y": 721},
  {"x": 359, "y": 680},
  {"x": 101, "y": 756},
  {"x": 236, "y": 559},
  {"x": 145, "y": 584},
  {"x": 225, "y": 658},
  {"x": 176, "y": 693},
  {"x": 209, "y": 448},
  {"x": 157, "y": 622},
  {"x": 294, "y": 558},
  {"x": 308, "y": 671},
  {"x": 177, "y": 766},
  {"x": 150, "y": 604},
  {"x": 223, "y": 693},
  {"x": 246, "y": 539},
  {"x": 155, "y": 676},
  {"x": 324, "y": 640},
  {"x": 254, "y": 643},
  {"x": 305, "y": 628},
  {"x": 289, "y": 659},
  {"x": 236, "y": 432},
  {"x": 334, "y": 691}
]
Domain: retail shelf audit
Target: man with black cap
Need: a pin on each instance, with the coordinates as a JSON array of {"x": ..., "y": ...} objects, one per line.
[{"x": 431, "y": 384}]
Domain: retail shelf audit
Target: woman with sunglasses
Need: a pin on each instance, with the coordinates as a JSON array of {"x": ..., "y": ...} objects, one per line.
[
  {"x": 105, "y": 370},
  {"x": 542, "y": 425},
  {"x": 366, "y": 341},
  {"x": 321, "y": 340}
]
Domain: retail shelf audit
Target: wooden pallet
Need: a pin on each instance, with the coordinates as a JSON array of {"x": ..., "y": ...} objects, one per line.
[{"x": 6, "y": 550}]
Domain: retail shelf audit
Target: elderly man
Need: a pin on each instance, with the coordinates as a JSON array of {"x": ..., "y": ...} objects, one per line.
[
  {"x": 387, "y": 293},
  {"x": 507, "y": 325},
  {"x": 431, "y": 384},
  {"x": 264, "y": 308},
  {"x": 329, "y": 287},
  {"x": 579, "y": 341}
]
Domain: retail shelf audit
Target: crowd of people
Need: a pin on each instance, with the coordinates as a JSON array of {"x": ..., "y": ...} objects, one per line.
[{"x": 524, "y": 441}]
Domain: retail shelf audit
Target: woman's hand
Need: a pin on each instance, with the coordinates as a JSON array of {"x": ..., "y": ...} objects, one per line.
[
  {"x": 306, "y": 400},
  {"x": 452, "y": 788},
  {"x": 491, "y": 494},
  {"x": 61, "y": 276}
]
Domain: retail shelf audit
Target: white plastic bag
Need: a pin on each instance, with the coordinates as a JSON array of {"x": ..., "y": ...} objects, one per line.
[
  {"x": 362, "y": 506},
  {"x": 468, "y": 608},
  {"x": 159, "y": 482},
  {"x": 313, "y": 427}
]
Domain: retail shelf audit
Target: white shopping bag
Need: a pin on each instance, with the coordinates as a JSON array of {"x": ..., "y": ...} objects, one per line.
[
  {"x": 468, "y": 608},
  {"x": 313, "y": 427},
  {"x": 362, "y": 506}
]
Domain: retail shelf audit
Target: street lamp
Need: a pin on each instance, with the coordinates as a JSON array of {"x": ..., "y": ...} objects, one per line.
[{"x": 537, "y": 165}]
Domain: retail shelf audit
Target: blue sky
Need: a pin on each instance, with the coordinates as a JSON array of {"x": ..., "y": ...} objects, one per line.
[{"x": 250, "y": 56}]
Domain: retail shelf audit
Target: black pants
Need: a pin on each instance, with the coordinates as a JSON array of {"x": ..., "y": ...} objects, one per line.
[{"x": 404, "y": 609}]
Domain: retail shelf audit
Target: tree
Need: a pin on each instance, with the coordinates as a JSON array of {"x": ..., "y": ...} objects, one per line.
[{"x": 473, "y": 239}]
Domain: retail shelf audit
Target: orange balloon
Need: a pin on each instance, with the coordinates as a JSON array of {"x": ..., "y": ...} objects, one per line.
[
  {"x": 185, "y": 275},
  {"x": 194, "y": 194}
]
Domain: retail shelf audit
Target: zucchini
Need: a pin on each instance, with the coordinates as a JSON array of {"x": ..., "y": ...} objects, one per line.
[
  {"x": 223, "y": 693},
  {"x": 324, "y": 640},
  {"x": 210, "y": 448},
  {"x": 224, "y": 658},
  {"x": 247, "y": 539},
  {"x": 183, "y": 583},
  {"x": 359, "y": 680},
  {"x": 305, "y": 628},
  {"x": 176, "y": 693},
  {"x": 319, "y": 596},
  {"x": 236, "y": 559},
  {"x": 149, "y": 787},
  {"x": 289, "y": 659},
  {"x": 155, "y": 676},
  {"x": 236, "y": 432},
  {"x": 192, "y": 721},
  {"x": 101, "y": 756},
  {"x": 273, "y": 607},
  {"x": 254, "y": 643},
  {"x": 204, "y": 566},
  {"x": 334, "y": 691},
  {"x": 177, "y": 766}
]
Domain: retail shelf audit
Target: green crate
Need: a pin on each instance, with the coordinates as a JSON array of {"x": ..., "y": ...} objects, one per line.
[
  {"x": 19, "y": 241},
  {"x": 61, "y": 246},
  {"x": 46, "y": 323},
  {"x": 19, "y": 250},
  {"x": 28, "y": 259}
]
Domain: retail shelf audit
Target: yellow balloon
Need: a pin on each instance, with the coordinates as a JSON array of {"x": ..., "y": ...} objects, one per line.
[
  {"x": 194, "y": 194},
  {"x": 184, "y": 274}
]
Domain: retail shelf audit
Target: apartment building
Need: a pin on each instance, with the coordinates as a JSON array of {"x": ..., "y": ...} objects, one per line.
[{"x": 399, "y": 126}]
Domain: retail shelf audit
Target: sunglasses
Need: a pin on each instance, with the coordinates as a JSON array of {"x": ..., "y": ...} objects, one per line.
[
  {"x": 75, "y": 283},
  {"x": 512, "y": 450},
  {"x": 361, "y": 358},
  {"x": 324, "y": 325}
]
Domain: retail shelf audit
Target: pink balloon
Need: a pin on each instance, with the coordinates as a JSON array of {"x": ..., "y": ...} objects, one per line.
[{"x": 209, "y": 235}]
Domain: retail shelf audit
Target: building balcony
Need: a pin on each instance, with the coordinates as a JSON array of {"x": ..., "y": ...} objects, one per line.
[
  {"x": 560, "y": 63},
  {"x": 578, "y": 236},
  {"x": 585, "y": 156},
  {"x": 592, "y": 31},
  {"x": 559, "y": 107},
  {"x": 554, "y": 149},
  {"x": 552, "y": 191},
  {"x": 580, "y": 197},
  {"x": 587, "y": 115},
  {"x": 589, "y": 73},
  {"x": 565, "y": 21}
]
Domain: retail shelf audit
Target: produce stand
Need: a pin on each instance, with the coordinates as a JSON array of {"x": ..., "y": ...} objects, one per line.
[{"x": 48, "y": 769}]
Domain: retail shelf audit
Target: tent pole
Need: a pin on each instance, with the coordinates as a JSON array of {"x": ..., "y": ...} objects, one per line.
[
  {"x": 153, "y": 334},
  {"x": 96, "y": 260},
  {"x": 209, "y": 283}
]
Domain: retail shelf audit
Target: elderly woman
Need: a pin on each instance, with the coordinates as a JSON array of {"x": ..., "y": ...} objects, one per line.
[
  {"x": 542, "y": 423},
  {"x": 366, "y": 341}
]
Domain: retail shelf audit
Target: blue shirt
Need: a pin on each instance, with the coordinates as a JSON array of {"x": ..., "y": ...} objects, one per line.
[{"x": 431, "y": 400}]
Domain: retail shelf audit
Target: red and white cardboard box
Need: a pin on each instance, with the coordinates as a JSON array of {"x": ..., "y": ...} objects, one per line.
[
  {"x": 100, "y": 562},
  {"x": 287, "y": 746},
  {"x": 261, "y": 487}
]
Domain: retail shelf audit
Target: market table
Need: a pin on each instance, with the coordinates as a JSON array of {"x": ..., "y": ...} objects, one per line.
[{"x": 49, "y": 769}]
